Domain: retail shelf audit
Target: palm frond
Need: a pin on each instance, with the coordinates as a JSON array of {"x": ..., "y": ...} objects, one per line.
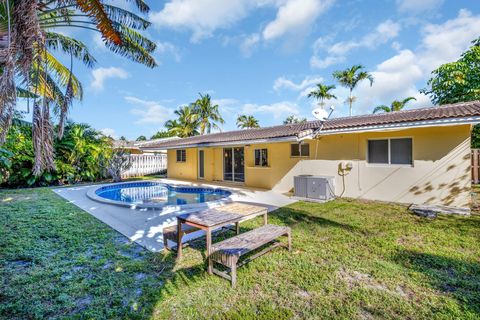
[
  {"x": 382, "y": 108},
  {"x": 134, "y": 46},
  {"x": 96, "y": 10},
  {"x": 126, "y": 18},
  {"x": 78, "y": 49}
]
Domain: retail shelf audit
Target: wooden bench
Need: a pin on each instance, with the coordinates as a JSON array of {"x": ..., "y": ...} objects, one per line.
[
  {"x": 229, "y": 251},
  {"x": 170, "y": 233}
]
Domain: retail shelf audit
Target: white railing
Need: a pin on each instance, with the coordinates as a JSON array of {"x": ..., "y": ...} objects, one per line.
[{"x": 143, "y": 164}]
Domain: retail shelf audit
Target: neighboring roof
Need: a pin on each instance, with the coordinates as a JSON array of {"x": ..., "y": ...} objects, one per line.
[
  {"x": 467, "y": 112},
  {"x": 124, "y": 144},
  {"x": 146, "y": 144}
]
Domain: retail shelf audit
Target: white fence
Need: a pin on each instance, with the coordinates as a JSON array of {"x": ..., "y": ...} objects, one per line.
[{"x": 143, "y": 164}]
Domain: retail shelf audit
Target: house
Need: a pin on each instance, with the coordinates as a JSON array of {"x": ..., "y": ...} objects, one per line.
[{"x": 414, "y": 156}]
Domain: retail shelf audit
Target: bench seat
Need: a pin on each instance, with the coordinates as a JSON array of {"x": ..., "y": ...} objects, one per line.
[
  {"x": 170, "y": 233},
  {"x": 229, "y": 251}
]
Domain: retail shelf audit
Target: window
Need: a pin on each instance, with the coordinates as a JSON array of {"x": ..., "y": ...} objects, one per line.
[
  {"x": 390, "y": 151},
  {"x": 300, "y": 150},
  {"x": 181, "y": 155},
  {"x": 261, "y": 157}
]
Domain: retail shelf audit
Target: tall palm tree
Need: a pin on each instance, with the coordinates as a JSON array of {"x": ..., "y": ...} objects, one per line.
[
  {"x": 27, "y": 40},
  {"x": 396, "y": 105},
  {"x": 349, "y": 78},
  {"x": 206, "y": 114},
  {"x": 247, "y": 122},
  {"x": 322, "y": 93},
  {"x": 186, "y": 125}
]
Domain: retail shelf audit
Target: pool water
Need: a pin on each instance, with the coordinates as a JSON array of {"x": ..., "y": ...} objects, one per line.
[{"x": 160, "y": 193}]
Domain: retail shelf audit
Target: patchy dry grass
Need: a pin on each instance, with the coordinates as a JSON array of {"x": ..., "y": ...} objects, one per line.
[{"x": 351, "y": 259}]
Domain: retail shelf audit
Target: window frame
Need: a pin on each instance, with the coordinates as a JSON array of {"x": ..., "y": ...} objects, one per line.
[
  {"x": 300, "y": 155},
  {"x": 265, "y": 165},
  {"x": 184, "y": 151},
  {"x": 389, "y": 164}
]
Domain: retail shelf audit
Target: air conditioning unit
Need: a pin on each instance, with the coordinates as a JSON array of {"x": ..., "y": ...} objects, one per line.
[{"x": 320, "y": 188}]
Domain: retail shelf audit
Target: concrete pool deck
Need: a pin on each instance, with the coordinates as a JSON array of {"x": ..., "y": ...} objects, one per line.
[{"x": 145, "y": 226}]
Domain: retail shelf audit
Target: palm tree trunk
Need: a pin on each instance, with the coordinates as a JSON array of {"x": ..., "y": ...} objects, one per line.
[{"x": 350, "y": 102}]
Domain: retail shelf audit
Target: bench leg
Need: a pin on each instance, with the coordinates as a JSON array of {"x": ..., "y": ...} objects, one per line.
[
  {"x": 233, "y": 275},
  {"x": 208, "y": 245},
  {"x": 237, "y": 227},
  {"x": 289, "y": 236}
]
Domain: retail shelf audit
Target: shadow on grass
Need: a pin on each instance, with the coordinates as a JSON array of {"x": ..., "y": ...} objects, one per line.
[
  {"x": 291, "y": 217},
  {"x": 456, "y": 278}
]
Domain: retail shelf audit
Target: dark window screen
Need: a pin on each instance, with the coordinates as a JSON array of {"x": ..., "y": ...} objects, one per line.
[
  {"x": 401, "y": 151},
  {"x": 378, "y": 151}
]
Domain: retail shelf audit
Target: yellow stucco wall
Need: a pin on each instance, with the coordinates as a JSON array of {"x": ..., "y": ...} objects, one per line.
[{"x": 440, "y": 173}]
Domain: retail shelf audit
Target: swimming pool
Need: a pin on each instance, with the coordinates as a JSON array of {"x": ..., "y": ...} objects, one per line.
[{"x": 149, "y": 194}]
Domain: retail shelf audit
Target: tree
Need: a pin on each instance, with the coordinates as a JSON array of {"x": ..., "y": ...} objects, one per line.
[
  {"x": 161, "y": 134},
  {"x": 186, "y": 124},
  {"x": 141, "y": 138},
  {"x": 206, "y": 114},
  {"x": 322, "y": 93},
  {"x": 28, "y": 38},
  {"x": 350, "y": 78},
  {"x": 247, "y": 122},
  {"x": 122, "y": 138},
  {"x": 293, "y": 119},
  {"x": 457, "y": 81},
  {"x": 119, "y": 162},
  {"x": 396, "y": 105}
]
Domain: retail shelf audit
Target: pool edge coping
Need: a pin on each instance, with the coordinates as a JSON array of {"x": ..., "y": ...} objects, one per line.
[{"x": 91, "y": 194}]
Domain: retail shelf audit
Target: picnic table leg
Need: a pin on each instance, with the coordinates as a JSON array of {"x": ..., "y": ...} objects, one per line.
[
  {"x": 265, "y": 218},
  {"x": 209, "y": 245},
  {"x": 179, "y": 239},
  {"x": 237, "y": 227}
]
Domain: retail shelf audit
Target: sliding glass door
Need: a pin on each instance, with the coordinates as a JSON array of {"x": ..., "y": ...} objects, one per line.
[{"x": 234, "y": 164}]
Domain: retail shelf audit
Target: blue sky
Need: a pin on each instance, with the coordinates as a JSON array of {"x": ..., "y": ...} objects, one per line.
[{"x": 262, "y": 57}]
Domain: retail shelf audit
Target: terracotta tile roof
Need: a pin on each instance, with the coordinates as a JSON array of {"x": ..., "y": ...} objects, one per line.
[{"x": 450, "y": 111}]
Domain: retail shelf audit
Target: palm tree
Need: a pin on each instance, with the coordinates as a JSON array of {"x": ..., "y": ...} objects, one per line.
[
  {"x": 396, "y": 105},
  {"x": 293, "y": 119},
  {"x": 206, "y": 114},
  {"x": 322, "y": 93},
  {"x": 27, "y": 40},
  {"x": 247, "y": 122},
  {"x": 349, "y": 78},
  {"x": 186, "y": 125}
]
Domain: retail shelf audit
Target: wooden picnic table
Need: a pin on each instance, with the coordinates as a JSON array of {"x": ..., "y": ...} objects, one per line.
[{"x": 214, "y": 218}]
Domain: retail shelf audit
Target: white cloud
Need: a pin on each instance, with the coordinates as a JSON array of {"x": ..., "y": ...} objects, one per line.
[
  {"x": 201, "y": 17},
  {"x": 336, "y": 52},
  {"x": 249, "y": 43},
  {"x": 278, "y": 109},
  {"x": 100, "y": 75},
  {"x": 416, "y": 7},
  {"x": 398, "y": 76},
  {"x": 284, "y": 83},
  {"x": 149, "y": 112},
  {"x": 168, "y": 48},
  {"x": 295, "y": 17},
  {"x": 109, "y": 132}
]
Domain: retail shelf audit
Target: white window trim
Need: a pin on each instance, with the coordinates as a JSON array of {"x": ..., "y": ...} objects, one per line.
[
  {"x": 389, "y": 164},
  {"x": 260, "y": 166},
  {"x": 299, "y": 150}
]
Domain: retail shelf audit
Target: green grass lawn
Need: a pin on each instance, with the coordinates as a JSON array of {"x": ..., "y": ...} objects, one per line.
[{"x": 351, "y": 259}]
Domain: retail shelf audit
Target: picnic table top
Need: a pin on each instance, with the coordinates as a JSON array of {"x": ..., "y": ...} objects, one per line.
[{"x": 229, "y": 213}]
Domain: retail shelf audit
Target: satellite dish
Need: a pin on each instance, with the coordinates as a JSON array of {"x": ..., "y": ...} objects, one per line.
[{"x": 320, "y": 114}]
